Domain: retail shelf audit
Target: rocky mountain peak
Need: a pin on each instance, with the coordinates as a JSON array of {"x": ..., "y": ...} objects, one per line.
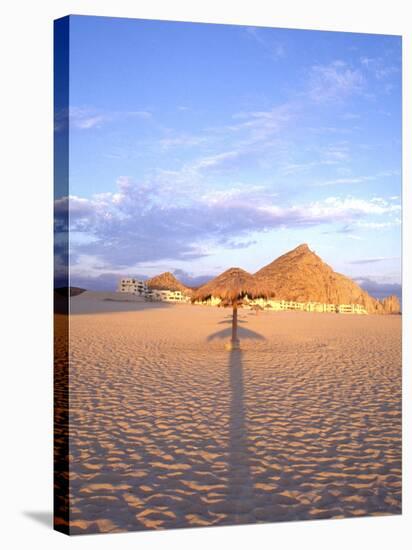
[{"x": 302, "y": 276}]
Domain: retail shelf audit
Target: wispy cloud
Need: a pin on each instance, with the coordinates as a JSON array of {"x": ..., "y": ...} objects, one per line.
[
  {"x": 251, "y": 137},
  {"x": 358, "y": 179},
  {"x": 190, "y": 225},
  {"x": 334, "y": 81},
  {"x": 331, "y": 155},
  {"x": 273, "y": 48},
  {"x": 78, "y": 118},
  {"x": 85, "y": 118},
  {"x": 378, "y": 67},
  {"x": 240, "y": 194},
  {"x": 372, "y": 260},
  {"x": 183, "y": 141},
  {"x": 336, "y": 209},
  {"x": 379, "y": 225},
  {"x": 251, "y": 140},
  {"x": 218, "y": 160},
  {"x": 260, "y": 125},
  {"x": 364, "y": 225},
  {"x": 344, "y": 181},
  {"x": 290, "y": 168}
]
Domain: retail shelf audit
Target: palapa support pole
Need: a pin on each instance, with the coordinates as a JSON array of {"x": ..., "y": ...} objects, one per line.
[
  {"x": 234, "y": 323},
  {"x": 234, "y": 343},
  {"x": 233, "y": 287}
]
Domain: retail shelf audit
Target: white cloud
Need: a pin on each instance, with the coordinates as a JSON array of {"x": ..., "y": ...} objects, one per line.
[
  {"x": 151, "y": 220},
  {"x": 214, "y": 161},
  {"x": 358, "y": 179},
  {"x": 344, "y": 181},
  {"x": 137, "y": 114},
  {"x": 378, "y": 225},
  {"x": 260, "y": 125},
  {"x": 331, "y": 155},
  {"x": 373, "y": 260},
  {"x": 336, "y": 153},
  {"x": 242, "y": 194},
  {"x": 329, "y": 210},
  {"x": 84, "y": 118},
  {"x": 377, "y": 67},
  {"x": 273, "y": 48},
  {"x": 183, "y": 140},
  {"x": 358, "y": 206},
  {"x": 334, "y": 81},
  {"x": 366, "y": 61}
]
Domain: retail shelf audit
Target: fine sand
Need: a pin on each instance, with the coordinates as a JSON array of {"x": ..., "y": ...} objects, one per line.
[{"x": 168, "y": 429}]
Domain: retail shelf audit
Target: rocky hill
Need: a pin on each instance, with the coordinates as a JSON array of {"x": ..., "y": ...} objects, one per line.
[
  {"x": 300, "y": 275},
  {"x": 167, "y": 281}
]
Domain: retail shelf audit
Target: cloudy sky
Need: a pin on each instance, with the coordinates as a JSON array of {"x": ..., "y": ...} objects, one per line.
[{"x": 195, "y": 147}]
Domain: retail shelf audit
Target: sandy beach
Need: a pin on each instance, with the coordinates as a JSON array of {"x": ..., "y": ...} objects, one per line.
[{"x": 168, "y": 429}]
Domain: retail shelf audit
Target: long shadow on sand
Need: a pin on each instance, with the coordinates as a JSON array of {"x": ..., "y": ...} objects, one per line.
[
  {"x": 228, "y": 321},
  {"x": 240, "y": 479},
  {"x": 240, "y": 483},
  {"x": 244, "y": 334}
]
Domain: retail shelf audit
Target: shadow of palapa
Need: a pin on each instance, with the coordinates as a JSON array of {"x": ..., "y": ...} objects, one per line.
[
  {"x": 240, "y": 479},
  {"x": 228, "y": 321},
  {"x": 240, "y": 483},
  {"x": 243, "y": 333}
]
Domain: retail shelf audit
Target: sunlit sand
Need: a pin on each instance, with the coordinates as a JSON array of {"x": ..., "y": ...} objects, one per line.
[{"x": 168, "y": 429}]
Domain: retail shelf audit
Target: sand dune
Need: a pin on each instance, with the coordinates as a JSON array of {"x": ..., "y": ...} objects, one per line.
[{"x": 170, "y": 430}]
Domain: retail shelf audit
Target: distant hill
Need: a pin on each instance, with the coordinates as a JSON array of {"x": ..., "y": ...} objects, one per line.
[
  {"x": 167, "y": 281},
  {"x": 69, "y": 290},
  {"x": 302, "y": 276}
]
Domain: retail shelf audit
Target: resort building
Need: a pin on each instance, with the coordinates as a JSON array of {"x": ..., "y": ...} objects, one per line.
[
  {"x": 213, "y": 301},
  {"x": 166, "y": 296},
  {"x": 352, "y": 308},
  {"x": 284, "y": 305},
  {"x": 132, "y": 286}
]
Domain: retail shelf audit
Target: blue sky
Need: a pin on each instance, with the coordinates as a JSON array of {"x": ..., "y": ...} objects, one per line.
[{"x": 197, "y": 147}]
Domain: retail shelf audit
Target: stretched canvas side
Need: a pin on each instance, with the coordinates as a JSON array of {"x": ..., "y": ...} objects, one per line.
[{"x": 61, "y": 275}]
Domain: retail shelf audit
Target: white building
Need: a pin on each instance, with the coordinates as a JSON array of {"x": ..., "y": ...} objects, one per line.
[
  {"x": 213, "y": 301},
  {"x": 352, "y": 308},
  {"x": 284, "y": 305},
  {"x": 166, "y": 296},
  {"x": 132, "y": 286}
]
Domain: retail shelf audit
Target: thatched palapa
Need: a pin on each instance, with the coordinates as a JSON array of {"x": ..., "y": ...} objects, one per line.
[
  {"x": 233, "y": 284},
  {"x": 232, "y": 287}
]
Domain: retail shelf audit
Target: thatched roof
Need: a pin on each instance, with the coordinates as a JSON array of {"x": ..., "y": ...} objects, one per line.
[{"x": 233, "y": 284}]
